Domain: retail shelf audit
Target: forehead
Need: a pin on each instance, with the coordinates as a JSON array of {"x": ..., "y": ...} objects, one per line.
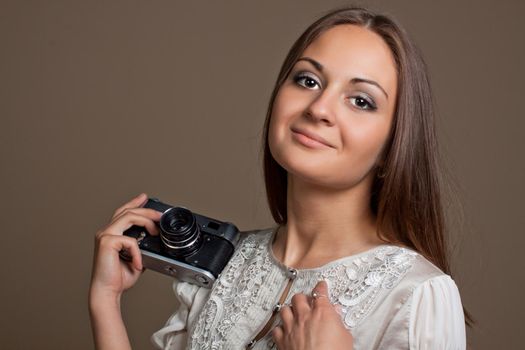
[{"x": 354, "y": 51}]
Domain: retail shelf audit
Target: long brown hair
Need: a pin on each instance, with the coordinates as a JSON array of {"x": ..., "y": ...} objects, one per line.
[{"x": 406, "y": 194}]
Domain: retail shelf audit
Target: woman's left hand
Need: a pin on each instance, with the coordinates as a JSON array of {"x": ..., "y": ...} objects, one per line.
[{"x": 312, "y": 323}]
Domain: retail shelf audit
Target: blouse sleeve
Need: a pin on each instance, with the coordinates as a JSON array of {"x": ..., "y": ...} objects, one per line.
[
  {"x": 173, "y": 335},
  {"x": 436, "y": 316}
]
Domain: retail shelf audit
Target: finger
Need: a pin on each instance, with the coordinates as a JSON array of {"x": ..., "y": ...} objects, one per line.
[
  {"x": 123, "y": 222},
  {"x": 132, "y": 247},
  {"x": 119, "y": 243},
  {"x": 310, "y": 301},
  {"x": 287, "y": 318},
  {"x": 138, "y": 201},
  {"x": 151, "y": 214},
  {"x": 300, "y": 306},
  {"x": 320, "y": 294},
  {"x": 278, "y": 335}
]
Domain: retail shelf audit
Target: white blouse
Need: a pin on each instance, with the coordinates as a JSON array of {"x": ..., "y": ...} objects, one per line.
[{"x": 391, "y": 298}]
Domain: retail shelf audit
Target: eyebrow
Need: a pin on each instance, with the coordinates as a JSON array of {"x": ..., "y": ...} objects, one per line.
[{"x": 356, "y": 80}]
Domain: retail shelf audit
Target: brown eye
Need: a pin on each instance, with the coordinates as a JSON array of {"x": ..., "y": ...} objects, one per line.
[
  {"x": 306, "y": 81},
  {"x": 363, "y": 103}
]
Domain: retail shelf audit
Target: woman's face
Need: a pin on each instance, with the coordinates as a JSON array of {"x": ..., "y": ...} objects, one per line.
[{"x": 342, "y": 92}]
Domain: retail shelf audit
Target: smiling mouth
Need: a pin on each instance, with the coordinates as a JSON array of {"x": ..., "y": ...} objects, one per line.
[{"x": 309, "y": 140}]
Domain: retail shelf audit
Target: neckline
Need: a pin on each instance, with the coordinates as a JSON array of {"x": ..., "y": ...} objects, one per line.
[{"x": 324, "y": 266}]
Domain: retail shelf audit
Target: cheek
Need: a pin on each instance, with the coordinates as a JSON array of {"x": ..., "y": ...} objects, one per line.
[
  {"x": 289, "y": 103},
  {"x": 362, "y": 145},
  {"x": 279, "y": 121}
]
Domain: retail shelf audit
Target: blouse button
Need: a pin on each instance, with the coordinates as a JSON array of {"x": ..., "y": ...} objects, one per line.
[
  {"x": 251, "y": 344},
  {"x": 277, "y": 307},
  {"x": 291, "y": 273}
]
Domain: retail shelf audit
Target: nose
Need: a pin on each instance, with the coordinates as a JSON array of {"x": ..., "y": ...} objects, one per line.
[{"x": 322, "y": 107}]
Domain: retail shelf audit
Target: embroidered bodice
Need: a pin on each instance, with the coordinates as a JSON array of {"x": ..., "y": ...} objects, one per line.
[
  {"x": 387, "y": 297},
  {"x": 244, "y": 296}
]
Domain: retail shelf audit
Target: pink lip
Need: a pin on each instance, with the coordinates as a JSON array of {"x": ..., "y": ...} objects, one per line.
[{"x": 309, "y": 135}]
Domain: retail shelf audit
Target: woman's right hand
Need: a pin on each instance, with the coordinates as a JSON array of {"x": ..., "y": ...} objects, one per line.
[{"x": 112, "y": 275}]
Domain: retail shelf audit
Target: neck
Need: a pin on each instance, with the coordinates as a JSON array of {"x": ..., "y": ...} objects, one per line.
[{"x": 325, "y": 224}]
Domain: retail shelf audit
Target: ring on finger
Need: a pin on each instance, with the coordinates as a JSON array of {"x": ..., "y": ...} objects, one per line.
[{"x": 317, "y": 295}]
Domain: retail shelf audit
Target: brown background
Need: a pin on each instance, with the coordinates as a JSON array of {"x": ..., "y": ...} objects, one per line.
[{"x": 100, "y": 101}]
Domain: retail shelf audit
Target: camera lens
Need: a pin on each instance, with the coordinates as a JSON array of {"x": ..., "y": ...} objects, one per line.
[{"x": 179, "y": 231}]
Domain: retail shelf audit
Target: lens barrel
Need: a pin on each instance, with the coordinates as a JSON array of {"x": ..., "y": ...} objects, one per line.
[{"x": 179, "y": 231}]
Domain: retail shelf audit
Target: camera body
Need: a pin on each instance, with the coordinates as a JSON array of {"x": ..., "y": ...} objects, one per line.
[{"x": 191, "y": 247}]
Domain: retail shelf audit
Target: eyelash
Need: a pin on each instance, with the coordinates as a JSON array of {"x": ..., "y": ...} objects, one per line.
[
  {"x": 370, "y": 105},
  {"x": 300, "y": 77}
]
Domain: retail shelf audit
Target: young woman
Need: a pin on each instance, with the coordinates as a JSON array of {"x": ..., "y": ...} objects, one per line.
[{"x": 357, "y": 259}]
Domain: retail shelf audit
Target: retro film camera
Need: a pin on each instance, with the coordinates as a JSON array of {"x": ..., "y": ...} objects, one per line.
[{"x": 190, "y": 247}]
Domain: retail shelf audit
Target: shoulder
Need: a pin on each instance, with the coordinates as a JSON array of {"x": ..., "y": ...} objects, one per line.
[
  {"x": 379, "y": 283},
  {"x": 425, "y": 308},
  {"x": 426, "y": 284},
  {"x": 256, "y": 235},
  {"x": 435, "y": 314},
  {"x": 423, "y": 280},
  {"x": 252, "y": 242},
  {"x": 251, "y": 248},
  {"x": 434, "y": 295},
  {"x": 408, "y": 301},
  {"x": 416, "y": 270}
]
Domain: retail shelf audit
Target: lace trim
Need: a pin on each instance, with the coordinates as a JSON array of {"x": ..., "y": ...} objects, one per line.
[
  {"x": 237, "y": 288},
  {"x": 355, "y": 283}
]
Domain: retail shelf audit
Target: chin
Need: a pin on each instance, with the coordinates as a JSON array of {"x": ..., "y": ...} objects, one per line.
[
  {"x": 316, "y": 172},
  {"x": 312, "y": 171},
  {"x": 310, "y": 166}
]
